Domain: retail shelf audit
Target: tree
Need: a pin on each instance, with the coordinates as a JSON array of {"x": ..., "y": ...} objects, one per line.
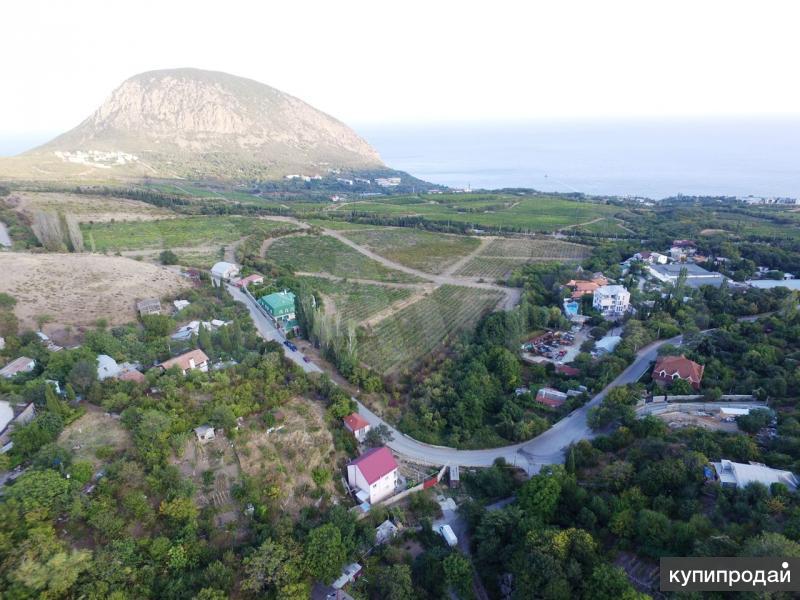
[
  {"x": 378, "y": 436},
  {"x": 611, "y": 583},
  {"x": 273, "y": 566},
  {"x": 324, "y": 552},
  {"x": 82, "y": 375},
  {"x": 392, "y": 583},
  {"x": 681, "y": 387},
  {"x": 458, "y": 574},
  {"x": 755, "y": 420},
  {"x": 168, "y": 257},
  {"x": 538, "y": 497}
]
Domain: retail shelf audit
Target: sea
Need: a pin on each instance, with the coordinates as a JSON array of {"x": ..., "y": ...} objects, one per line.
[{"x": 641, "y": 158}]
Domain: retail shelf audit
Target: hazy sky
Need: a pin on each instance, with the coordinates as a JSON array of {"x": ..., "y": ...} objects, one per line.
[{"x": 394, "y": 62}]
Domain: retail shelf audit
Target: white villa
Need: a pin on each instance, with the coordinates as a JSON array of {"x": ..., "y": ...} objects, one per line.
[{"x": 612, "y": 301}]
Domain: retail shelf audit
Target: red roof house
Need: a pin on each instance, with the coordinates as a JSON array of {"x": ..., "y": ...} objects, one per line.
[
  {"x": 567, "y": 370},
  {"x": 254, "y": 278},
  {"x": 133, "y": 375},
  {"x": 550, "y": 397},
  {"x": 357, "y": 425},
  {"x": 373, "y": 474},
  {"x": 670, "y": 368},
  {"x": 188, "y": 361}
]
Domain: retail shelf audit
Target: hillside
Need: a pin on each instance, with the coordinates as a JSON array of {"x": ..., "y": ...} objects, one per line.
[{"x": 189, "y": 123}]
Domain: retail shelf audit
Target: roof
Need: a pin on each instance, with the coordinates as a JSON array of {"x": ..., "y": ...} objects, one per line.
[
  {"x": 203, "y": 429},
  {"x": 133, "y": 375},
  {"x": 550, "y": 397},
  {"x": 375, "y": 463},
  {"x": 106, "y": 367},
  {"x": 743, "y": 474},
  {"x": 692, "y": 270},
  {"x": 611, "y": 290},
  {"x": 183, "y": 361},
  {"x": 567, "y": 370},
  {"x": 222, "y": 268},
  {"x": 18, "y": 365},
  {"x": 278, "y": 301},
  {"x": 254, "y": 278},
  {"x": 355, "y": 422},
  {"x": 685, "y": 368},
  {"x": 326, "y": 592},
  {"x": 148, "y": 305}
]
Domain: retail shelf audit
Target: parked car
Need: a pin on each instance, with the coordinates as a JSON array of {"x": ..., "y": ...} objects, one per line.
[
  {"x": 306, "y": 359},
  {"x": 292, "y": 347}
]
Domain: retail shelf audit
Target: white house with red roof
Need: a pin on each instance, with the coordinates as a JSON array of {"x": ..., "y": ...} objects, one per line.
[
  {"x": 357, "y": 425},
  {"x": 374, "y": 474}
]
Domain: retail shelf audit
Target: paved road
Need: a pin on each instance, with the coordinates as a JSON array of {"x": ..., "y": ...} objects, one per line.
[
  {"x": 547, "y": 448},
  {"x": 268, "y": 330}
]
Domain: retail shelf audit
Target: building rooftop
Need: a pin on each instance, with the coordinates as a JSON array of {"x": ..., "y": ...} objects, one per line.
[
  {"x": 18, "y": 365},
  {"x": 611, "y": 290},
  {"x": 685, "y": 368},
  {"x": 278, "y": 301},
  {"x": 184, "y": 361},
  {"x": 741, "y": 474},
  {"x": 355, "y": 421},
  {"x": 375, "y": 463}
]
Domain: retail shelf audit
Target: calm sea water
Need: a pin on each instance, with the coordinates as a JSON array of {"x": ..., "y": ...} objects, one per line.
[{"x": 640, "y": 158}]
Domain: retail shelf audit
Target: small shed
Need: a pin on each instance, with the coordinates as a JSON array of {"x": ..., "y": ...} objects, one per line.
[
  {"x": 455, "y": 476},
  {"x": 204, "y": 433},
  {"x": 149, "y": 306},
  {"x": 385, "y": 532}
]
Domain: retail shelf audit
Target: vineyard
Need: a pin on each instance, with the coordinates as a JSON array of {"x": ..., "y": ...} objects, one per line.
[
  {"x": 503, "y": 255},
  {"x": 404, "y": 338},
  {"x": 356, "y": 301},
  {"x": 423, "y": 250},
  {"x": 324, "y": 254}
]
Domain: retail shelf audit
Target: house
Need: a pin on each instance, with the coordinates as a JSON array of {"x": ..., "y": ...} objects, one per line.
[
  {"x": 224, "y": 270},
  {"x": 204, "y": 433},
  {"x": 388, "y": 181},
  {"x": 148, "y": 306},
  {"x": 582, "y": 287},
  {"x": 612, "y": 301},
  {"x": 651, "y": 257},
  {"x": 670, "y": 368},
  {"x": 357, "y": 425},
  {"x": 696, "y": 276},
  {"x": 23, "y": 364},
  {"x": 567, "y": 370},
  {"x": 327, "y": 592},
  {"x": 253, "y": 279},
  {"x": 280, "y": 308},
  {"x": 349, "y": 574},
  {"x": 550, "y": 397},
  {"x": 385, "y": 532},
  {"x": 133, "y": 375},
  {"x": 189, "y": 361},
  {"x": 106, "y": 367},
  {"x": 181, "y": 304},
  {"x": 732, "y": 474},
  {"x": 374, "y": 474}
]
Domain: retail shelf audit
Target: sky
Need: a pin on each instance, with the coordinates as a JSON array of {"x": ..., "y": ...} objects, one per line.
[{"x": 391, "y": 63}]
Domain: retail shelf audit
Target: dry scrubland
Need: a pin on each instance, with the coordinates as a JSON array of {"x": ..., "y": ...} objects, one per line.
[
  {"x": 77, "y": 289},
  {"x": 95, "y": 437},
  {"x": 502, "y": 255},
  {"x": 98, "y": 209}
]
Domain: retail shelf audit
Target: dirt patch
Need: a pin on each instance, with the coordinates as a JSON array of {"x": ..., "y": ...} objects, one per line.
[
  {"x": 77, "y": 289},
  {"x": 87, "y": 208},
  {"x": 95, "y": 431},
  {"x": 286, "y": 457},
  {"x": 712, "y": 231}
]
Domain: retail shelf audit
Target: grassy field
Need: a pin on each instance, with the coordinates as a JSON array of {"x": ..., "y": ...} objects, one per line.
[
  {"x": 503, "y": 255},
  {"x": 523, "y": 213},
  {"x": 324, "y": 254},
  {"x": 168, "y": 233},
  {"x": 423, "y": 250},
  {"x": 403, "y": 339},
  {"x": 86, "y": 208},
  {"x": 357, "y": 301}
]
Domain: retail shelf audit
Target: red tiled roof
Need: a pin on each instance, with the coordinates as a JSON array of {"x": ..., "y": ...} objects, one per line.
[
  {"x": 182, "y": 361},
  {"x": 133, "y": 375},
  {"x": 685, "y": 368},
  {"x": 355, "y": 422},
  {"x": 550, "y": 397},
  {"x": 567, "y": 370},
  {"x": 254, "y": 278},
  {"x": 375, "y": 463}
]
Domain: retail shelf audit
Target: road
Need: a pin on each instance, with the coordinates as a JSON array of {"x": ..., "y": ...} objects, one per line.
[
  {"x": 544, "y": 449},
  {"x": 547, "y": 448},
  {"x": 268, "y": 331}
]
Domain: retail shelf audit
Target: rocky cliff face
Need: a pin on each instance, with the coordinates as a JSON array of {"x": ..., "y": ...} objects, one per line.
[{"x": 188, "y": 122}]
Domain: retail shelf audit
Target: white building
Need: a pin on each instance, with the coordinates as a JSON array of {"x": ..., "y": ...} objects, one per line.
[
  {"x": 612, "y": 301},
  {"x": 204, "y": 433},
  {"x": 733, "y": 474},
  {"x": 388, "y": 181},
  {"x": 225, "y": 270},
  {"x": 374, "y": 474},
  {"x": 23, "y": 364}
]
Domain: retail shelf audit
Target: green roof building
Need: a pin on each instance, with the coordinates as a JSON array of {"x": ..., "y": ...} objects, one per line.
[{"x": 280, "y": 306}]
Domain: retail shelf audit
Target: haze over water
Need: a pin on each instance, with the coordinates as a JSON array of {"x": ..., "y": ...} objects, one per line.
[{"x": 728, "y": 157}]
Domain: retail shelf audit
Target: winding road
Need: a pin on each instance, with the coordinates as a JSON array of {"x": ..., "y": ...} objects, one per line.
[{"x": 544, "y": 449}]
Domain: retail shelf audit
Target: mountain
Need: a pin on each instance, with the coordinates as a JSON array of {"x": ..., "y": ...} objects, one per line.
[{"x": 198, "y": 124}]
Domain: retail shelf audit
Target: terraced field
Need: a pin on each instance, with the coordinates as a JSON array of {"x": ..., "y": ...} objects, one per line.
[
  {"x": 357, "y": 301},
  {"x": 173, "y": 233},
  {"x": 423, "y": 250},
  {"x": 324, "y": 254},
  {"x": 403, "y": 339},
  {"x": 491, "y": 211},
  {"x": 503, "y": 255}
]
